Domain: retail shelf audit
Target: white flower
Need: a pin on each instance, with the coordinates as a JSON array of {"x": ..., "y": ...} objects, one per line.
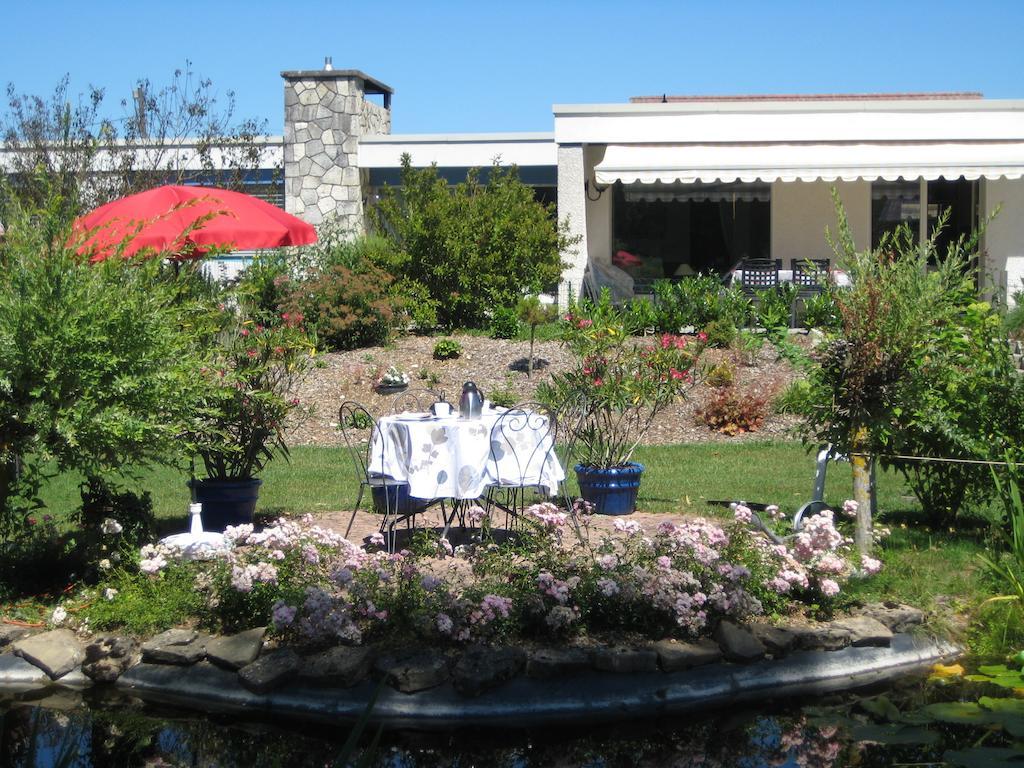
[
  {"x": 104, "y": 564},
  {"x": 110, "y": 527},
  {"x": 109, "y": 593},
  {"x": 58, "y": 616}
]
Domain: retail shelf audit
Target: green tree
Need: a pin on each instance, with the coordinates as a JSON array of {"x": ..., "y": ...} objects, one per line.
[
  {"x": 471, "y": 247},
  {"x": 98, "y": 363}
]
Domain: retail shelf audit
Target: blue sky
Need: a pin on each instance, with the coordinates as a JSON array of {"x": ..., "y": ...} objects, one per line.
[{"x": 485, "y": 66}]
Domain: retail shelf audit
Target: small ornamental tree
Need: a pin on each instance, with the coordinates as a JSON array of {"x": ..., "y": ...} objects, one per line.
[
  {"x": 97, "y": 363},
  {"x": 532, "y": 313},
  {"x": 474, "y": 246}
]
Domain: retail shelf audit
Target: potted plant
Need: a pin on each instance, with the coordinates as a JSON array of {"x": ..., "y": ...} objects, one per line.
[
  {"x": 392, "y": 380},
  {"x": 248, "y": 403},
  {"x": 611, "y": 395}
]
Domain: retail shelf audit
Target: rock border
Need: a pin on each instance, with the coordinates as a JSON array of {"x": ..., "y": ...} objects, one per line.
[{"x": 437, "y": 689}]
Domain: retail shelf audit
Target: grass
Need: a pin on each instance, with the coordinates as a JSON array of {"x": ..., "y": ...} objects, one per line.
[{"x": 679, "y": 478}]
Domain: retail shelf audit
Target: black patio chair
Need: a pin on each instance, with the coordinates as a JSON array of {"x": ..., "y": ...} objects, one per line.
[
  {"x": 810, "y": 277},
  {"x": 355, "y": 421},
  {"x": 508, "y": 438}
]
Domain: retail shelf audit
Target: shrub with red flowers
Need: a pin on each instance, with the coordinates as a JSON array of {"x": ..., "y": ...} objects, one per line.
[
  {"x": 249, "y": 403},
  {"x": 618, "y": 383}
]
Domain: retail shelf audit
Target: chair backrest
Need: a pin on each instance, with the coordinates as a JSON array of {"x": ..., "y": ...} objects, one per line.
[
  {"x": 758, "y": 275},
  {"x": 515, "y": 451},
  {"x": 355, "y": 422},
  {"x": 415, "y": 400},
  {"x": 810, "y": 273}
]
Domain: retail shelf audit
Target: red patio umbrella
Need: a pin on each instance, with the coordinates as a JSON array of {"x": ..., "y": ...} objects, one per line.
[{"x": 188, "y": 222}]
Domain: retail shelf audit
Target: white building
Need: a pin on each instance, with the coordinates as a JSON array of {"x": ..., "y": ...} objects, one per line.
[{"x": 692, "y": 185}]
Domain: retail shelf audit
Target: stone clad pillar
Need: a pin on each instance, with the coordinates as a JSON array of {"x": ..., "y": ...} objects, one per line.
[{"x": 325, "y": 113}]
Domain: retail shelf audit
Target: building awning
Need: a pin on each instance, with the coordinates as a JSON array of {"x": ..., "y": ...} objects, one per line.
[{"x": 669, "y": 163}]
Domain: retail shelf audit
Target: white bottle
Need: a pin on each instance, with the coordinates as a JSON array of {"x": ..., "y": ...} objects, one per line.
[{"x": 196, "y": 512}]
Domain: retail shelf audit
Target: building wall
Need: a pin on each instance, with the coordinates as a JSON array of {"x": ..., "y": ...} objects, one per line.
[
  {"x": 572, "y": 205},
  {"x": 802, "y": 210},
  {"x": 1003, "y": 264}
]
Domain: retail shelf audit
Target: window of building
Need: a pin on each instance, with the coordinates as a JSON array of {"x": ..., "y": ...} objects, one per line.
[
  {"x": 896, "y": 203},
  {"x": 673, "y": 230}
]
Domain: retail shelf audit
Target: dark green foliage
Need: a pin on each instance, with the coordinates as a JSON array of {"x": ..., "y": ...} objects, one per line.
[
  {"x": 145, "y": 604},
  {"x": 821, "y": 312},
  {"x": 265, "y": 285},
  {"x": 695, "y": 302},
  {"x": 504, "y": 323},
  {"x": 774, "y": 307},
  {"x": 472, "y": 246},
  {"x": 720, "y": 333},
  {"x": 97, "y": 368},
  {"x": 133, "y": 511},
  {"x": 447, "y": 349},
  {"x": 348, "y": 309}
]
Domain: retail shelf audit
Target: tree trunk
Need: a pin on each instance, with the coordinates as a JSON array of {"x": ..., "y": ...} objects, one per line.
[
  {"x": 529, "y": 364},
  {"x": 861, "y": 463}
]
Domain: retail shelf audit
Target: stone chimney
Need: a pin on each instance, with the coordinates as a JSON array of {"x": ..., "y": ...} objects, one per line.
[{"x": 325, "y": 113}]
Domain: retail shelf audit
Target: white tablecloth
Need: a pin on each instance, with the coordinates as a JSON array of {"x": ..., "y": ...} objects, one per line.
[{"x": 452, "y": 458}]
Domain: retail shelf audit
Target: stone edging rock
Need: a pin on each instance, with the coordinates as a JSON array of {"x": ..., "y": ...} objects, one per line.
[{"x": 431, "y": 688}]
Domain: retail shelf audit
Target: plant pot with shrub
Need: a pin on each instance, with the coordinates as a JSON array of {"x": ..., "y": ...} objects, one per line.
[
  {"x": 611, "y": 395},
  {"x": 246, "y": 408}
]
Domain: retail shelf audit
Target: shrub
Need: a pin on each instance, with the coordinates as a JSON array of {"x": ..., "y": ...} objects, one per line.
[
  {"x": 774, "y": 310},
  {"x": 643, "y": 316},
  {"x": 720, "y": 333},
  {"x": 504, "y": 323},
  {"x": 532, "y": 313},
  {"x": 265, "y": 285},
  {"x": 821, "y": 312},
  {"x": 693, "y": 301},
  {"x": 504, "y": 397},
  {"x": 732, "y": 411},
  {"x": 447, "y": 349},
  {"x": 98, "y": 362},
  {"x": 472, "y": 246},
  {"x": 794, "y": 398},
  {"x": 348, "y": 310},
  {"x": 747, "y": 346},
  {"x": 721, "y": 375},
  {"x": 734, "y": 306},
  {"x": 432, "y": 378}
]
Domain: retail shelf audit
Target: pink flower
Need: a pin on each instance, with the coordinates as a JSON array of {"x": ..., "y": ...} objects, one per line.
[
  {"x": 742, "y": 514},
  {"x": 828, "y": 587},
  {"x": 870, "y": 565},
  {"x": 850, "y": 508}
]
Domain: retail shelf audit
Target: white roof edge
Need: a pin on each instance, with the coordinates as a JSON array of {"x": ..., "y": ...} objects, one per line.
[
  {"x": 456, "y": 138},
  {"x": 795, "y": 105}
]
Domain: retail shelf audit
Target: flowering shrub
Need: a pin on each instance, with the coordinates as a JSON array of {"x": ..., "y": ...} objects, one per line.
[
  {"x": 733, "y": 411},
  {"x": 617, "y": 385},
  {"x": 392, "y": 377},
  {"x": 248, "y": 403},
  {"x": 315, "y": 587}
]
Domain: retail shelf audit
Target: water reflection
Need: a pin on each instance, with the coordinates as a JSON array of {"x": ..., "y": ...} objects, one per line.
[{"x": 66, "y": 731}]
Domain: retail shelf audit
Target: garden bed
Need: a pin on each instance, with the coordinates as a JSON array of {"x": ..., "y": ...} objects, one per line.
[{"x": 491, "y": 364}]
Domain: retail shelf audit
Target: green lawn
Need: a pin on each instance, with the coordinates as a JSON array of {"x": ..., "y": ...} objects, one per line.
[{"x": 678, "y": 478}]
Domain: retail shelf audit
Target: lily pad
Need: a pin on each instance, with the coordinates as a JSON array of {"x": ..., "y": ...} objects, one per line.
[
  {"x": 985, "y": 757},
  {"x": 881, "y": 708},
  {"x": 958, "y": 712},
  {"x": 1009, "y": 706},
  {"x": 895, "y": 735}
]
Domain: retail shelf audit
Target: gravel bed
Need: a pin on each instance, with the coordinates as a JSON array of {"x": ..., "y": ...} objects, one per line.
[{"x": 497, "y": 364}]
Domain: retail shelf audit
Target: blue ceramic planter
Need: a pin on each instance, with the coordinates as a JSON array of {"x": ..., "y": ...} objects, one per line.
[
  {"x": 611, "y": 491},
  {"x": 226, "y": 502}
]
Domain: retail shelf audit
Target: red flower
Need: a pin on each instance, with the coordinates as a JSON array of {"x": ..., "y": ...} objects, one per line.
[
  {"x": 251, "y": 353},
  {"x": 598, "y": 382}
]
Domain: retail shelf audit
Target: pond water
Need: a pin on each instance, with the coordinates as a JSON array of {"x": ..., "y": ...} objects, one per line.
[{"x": 66, "y": 729}]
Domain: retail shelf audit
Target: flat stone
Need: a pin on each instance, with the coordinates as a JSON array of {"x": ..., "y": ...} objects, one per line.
[
  {"x": 674, "y": 655},
  {"x": 15, "y": 671},
  {"x": 865, "y": 631},
  {"x": 270, "y": 671},
  {"x": 543, "y": 663},
  {"x": 108, "y": 656},
  {"x": 738, "y": 644},
  {"x": 413, "y": 670},
  {"x": 175, "y": 646},
  {"x": 56, "y": 652},
  {"x": 480, "y": 669},
  {"x": 235, "y": 651},
  {"x": 896, "y": 616},
  {"x": 9, "y": 633},
  {"x": 824, "y": 637},
  {"x": 777, "y": 640},
  {"x": 625, "y": 659},
  {"x": 340, "y": 667}
]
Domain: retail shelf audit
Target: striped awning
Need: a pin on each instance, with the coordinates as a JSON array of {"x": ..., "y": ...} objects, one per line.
[{"x": 687, "y": 163}]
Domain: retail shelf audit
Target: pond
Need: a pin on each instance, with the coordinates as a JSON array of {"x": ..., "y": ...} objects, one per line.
[{"x": 874, "y": 729}]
